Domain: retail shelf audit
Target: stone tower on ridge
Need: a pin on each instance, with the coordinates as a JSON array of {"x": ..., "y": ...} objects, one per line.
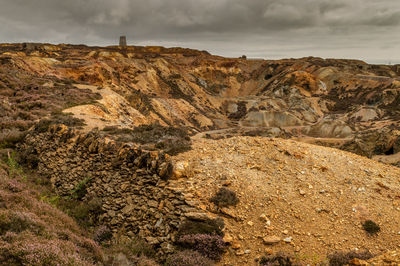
[{"x": 122, "y": 41}]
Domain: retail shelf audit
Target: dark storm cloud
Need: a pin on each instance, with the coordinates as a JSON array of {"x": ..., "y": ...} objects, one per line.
[{"x": 260, "y": 28}]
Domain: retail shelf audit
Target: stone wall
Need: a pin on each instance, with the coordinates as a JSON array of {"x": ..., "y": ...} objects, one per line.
[{"x": 131, "y": 183}]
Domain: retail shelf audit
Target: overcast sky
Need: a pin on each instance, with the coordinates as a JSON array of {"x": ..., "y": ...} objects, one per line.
[{"x": 363, "y": 29}]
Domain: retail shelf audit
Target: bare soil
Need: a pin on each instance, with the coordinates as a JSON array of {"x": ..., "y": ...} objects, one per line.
[{"x": 316, "y": 196}]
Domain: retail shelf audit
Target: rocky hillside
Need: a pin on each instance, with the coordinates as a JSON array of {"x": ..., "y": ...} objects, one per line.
[
  {"x": 346, "y": 104},
  {"x": 174, "y": 146}
]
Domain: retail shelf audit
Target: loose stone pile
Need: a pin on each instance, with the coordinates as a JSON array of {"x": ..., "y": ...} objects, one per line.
[{"x": 131, "y": 183}]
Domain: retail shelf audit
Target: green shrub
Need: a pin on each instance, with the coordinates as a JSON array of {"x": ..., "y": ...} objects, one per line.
[
  {"x": 80, "y": 190},
  {"x": 225, "y": 197}
]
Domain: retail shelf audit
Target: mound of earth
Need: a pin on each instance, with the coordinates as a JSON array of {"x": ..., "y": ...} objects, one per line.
[
  {"x": 346, "y": 104},
  {"x": 302, "y": 199}
]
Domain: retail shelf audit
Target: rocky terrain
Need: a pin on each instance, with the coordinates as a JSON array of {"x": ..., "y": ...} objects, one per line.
[
  {"x": 145, "y": 137},
  {"x": 294, "y": 197},
  {"x": 346, "y": 104}
]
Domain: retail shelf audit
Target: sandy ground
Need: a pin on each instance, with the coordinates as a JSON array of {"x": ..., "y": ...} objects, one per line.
[{"x": 314, "y": 199}]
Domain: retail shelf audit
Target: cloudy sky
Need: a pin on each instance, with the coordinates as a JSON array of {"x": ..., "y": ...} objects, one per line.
[{"x": 363, "y": 29}]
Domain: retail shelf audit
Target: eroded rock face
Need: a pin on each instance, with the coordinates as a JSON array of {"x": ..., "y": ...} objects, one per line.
[{"x": 330, "y": 102}]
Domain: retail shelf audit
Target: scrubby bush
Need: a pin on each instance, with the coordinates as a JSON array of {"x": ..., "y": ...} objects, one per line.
[
  {"x": 211, "y": 246},
  {"x": 371, "y": 227},
  {"x": 9, "y": 138},
  {"x": 80, "y": 190},
  {"x": 225, "y": 197},
  {"x": 343, "y": 258},
  {"x": 58, "y": 118},
  {"x": 188, "y": 258},
  {"x": 19, "y": 221},
  {"x": 279, "y": 259},
  {"x": 144, "y": 261},
  {"x": 102, "y": 233},
  {"x": 210, "y": 227},
  {"x": 170, "y": 139},
  {"x": 135, "y": 250}
]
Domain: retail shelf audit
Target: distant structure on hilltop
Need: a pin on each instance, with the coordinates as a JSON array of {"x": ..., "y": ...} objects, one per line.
[{"x": 122, "y": 41}]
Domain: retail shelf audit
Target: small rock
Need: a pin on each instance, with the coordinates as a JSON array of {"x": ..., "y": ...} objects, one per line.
[
  {"x": 302, "y": 192},
  {"x": 288, "y": 239},
  {"x": 235, "y": 245},
  {"x": 197, "y": 216},
  {"x": 285, "y": 232},
  {"x": 263, "y": 217},
  {"x": 269, "y": 251},
  {"x": 226, "y": 183},
  {"x": 228, "y": 238},
  {"x": 270, "y": 240},
  {"x": 247, "y": 251},
  {"x": 356, "y": 261},
  {"x": 239, "y": 253},
  {"x": 228, "y": 212},
  {"x": 250, "y": 223}
]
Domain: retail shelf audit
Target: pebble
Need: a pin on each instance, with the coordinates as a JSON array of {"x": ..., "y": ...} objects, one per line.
[
  {"x": 236, "y": 245},
  {"x": 302, "y": 192},
  {"x": 270, "y": 240},
  {"x": 269, "y": 251},
  {"x": 250, "y": 223},
  {"x": 288, "y": 239},
  {"x": 285, "y": 232}
]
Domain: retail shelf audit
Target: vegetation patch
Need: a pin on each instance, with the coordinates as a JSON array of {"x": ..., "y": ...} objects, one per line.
[
  {"x": 343, "y": 258},
  {"x": 211, "y": 246},
  {"x": 188, "y": 258},
  {"x": 58, "y": 118},
  {"x": 279, "y": 259},
  {"x": 371, "y": 227},
  {"x": 210, "y": 227},
  {"x": 224, "y": 198},
  {"x": 169, "y": 139}
]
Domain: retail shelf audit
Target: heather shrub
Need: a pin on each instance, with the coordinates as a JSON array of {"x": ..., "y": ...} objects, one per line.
[
  {"x": 188, "y": 258},
  {"x": 343, "y": 258},
  {"x": 132, "y": 248},
  {"x": 9, "y": 138},
  {"x": 144, "y": 261},
  {"x": 28, "y": 157},
  {"x": 170, "y": 139},
  {"x": 18, "y": 222},
  {"x": 15, "y": 186},
  {"x": 102, "y": 234},
  {"x": 371, "y": 227},
  {"x": 211, "y": 246},
  {"x": 34, "y": 251},
  {"x": 225, "y": 197},
  {"x": 210, "y": 227},
  {"x": 58, "y": 118}
]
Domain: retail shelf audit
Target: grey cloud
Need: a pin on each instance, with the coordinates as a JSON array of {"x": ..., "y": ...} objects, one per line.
[{"x": 260, "y": 28}]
